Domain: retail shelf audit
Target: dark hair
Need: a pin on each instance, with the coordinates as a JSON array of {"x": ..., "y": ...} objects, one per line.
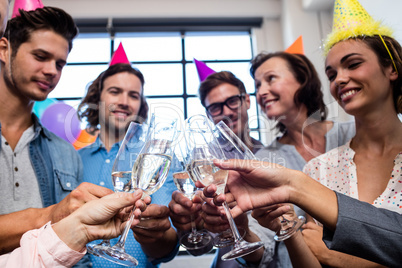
[
  {"x": 376, "y": 44},
  {"x": 309, "y": 93},
  {"x": 20, "y": 28},
  {"x": 217, "y": 79},
  {"x": 92, "y": 98}
]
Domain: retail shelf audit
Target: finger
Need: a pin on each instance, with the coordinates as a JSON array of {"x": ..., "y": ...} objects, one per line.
[
  {"x": 141, "y": 205},
  {"x": 179, "y": 210},
  {"x": 219, "y": 199},
  {"x": 312, "y": 220},
  {"x": 118, "y": 201},
  {"x": 147, "y": 200},
  {"x": 229, "y": 198},
  {"x": 273, "y": 213},
  {"x": 311, "y": 225},
  {"x": 156, "y": 211},
  {"x": 180, "y": 220},
  {"x": 182, "y": 199},
  {"x": 260, "y": 212},
  {"x": 210, "y": 191},
  {"x": 211, "y": 210},
  {"x": 236, "y": 211},
  {"x": 93, "y": 191},
  {"x": 213, "y": 222},
  {"x": 197, "y": 198}
]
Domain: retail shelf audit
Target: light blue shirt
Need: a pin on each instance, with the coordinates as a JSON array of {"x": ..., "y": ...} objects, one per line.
[{"x": 98, "y": 165}]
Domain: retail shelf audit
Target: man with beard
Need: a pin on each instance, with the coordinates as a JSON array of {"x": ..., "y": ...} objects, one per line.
[
  {"x": 39, "y": 170},
  {"x": 113, "y": 100}
]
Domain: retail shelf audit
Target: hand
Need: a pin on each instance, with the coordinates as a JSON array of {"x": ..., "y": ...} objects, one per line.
[
  {"x": 99, "y": 219},
  {"x": 181, "y": 209},
  {"x": 312, "y": 234},
  {"x": 269, "y": 216},
  {"x": 253, "y": 184},
  {"x": 84, "y": 193},
  {"x": 215, "y": 217},
  {"x": 155, "y": 225}
]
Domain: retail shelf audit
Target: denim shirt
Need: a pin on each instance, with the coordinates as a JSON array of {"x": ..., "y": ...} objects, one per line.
[{"x": 57, "y": 165}]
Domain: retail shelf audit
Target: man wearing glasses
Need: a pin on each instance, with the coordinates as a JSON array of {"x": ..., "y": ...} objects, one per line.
[{"x": 225, "y": 98}]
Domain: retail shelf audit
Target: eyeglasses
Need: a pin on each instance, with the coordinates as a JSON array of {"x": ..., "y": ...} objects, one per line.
[{"x": 232, "y": 103}]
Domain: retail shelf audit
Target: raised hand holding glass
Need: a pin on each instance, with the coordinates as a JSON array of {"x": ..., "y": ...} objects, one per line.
[
  {"x": 196, "y": 242},
  {"x": 204, "y": 148},
  {"x": 149, "y": 169}
]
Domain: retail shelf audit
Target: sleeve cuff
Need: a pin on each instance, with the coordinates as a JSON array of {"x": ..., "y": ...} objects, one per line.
[{"x": 57, "y": 248}]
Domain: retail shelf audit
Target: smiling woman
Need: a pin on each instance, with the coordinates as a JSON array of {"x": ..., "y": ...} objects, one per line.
[
  {"x": 364, "y": 67},
  {"x": 289, "y": 91}
]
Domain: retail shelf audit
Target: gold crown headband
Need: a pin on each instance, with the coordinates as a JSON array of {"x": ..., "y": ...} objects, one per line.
[{"x": 352, "y": 20}]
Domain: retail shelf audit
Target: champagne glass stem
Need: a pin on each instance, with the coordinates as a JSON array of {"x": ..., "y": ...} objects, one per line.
[
  {"x": 235, "y": 232},
  {"x": 193, "y": 236},
  {"x": 123, "y": 237}
]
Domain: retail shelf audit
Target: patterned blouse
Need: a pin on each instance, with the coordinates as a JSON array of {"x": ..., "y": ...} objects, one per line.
[{"x": 336, "y": 170}]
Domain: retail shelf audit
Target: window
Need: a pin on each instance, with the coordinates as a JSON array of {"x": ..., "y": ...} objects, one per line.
[{"x": 166, "y": 60}]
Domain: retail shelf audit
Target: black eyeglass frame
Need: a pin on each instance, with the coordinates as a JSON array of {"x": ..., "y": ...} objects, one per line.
[{"x": 221, "y": 104}]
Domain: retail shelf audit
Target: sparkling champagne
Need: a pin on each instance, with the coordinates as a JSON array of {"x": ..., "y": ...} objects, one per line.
[
  {"x": 122, "y": 181},
  {"x": 150, "y": 171},
  {"x": 207, "y": 173},
  {"x": 184, "y": 183}
]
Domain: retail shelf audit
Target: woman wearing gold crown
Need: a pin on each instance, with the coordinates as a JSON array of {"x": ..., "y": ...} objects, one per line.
[{"x": 364, "y": 66}]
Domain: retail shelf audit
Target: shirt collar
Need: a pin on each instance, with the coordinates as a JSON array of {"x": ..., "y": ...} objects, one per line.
[
  {"x": 98, "y": 145},
  {"x": 39, "y": 129}
]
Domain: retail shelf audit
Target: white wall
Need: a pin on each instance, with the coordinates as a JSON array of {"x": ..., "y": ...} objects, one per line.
[
  {"x": 313, "y": 20},
  {"x": 167, "y": 8}
]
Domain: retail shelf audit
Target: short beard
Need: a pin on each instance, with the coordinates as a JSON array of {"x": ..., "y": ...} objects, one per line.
[{"x": 8, "y": 76}]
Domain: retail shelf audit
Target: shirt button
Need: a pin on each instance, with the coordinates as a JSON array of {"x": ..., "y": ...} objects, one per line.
[
  {"x": 15, "y": 154},
  {"x": 6, "y": 143},
  {"x": 16, "y": 169},
  {"x": 68, "y": 184},
  {"x": 102, "y": 183},
  {"x": 17, "y": 184},
  {"x": 107, "y": 161}
]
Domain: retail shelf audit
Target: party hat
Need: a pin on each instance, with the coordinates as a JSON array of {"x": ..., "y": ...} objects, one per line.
[
  {"x": 119, "y": 56},
  {"x": 26, "y": 5},
  {"x": 297, "y": 47},
  {"x": 203, "y": 70},
  {"x": 352, "y": 20}
]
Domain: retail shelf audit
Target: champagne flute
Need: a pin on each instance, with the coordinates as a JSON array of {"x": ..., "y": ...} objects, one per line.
[
  {"x": 234, "y": 148},
  {"x": 204, "y": 149},
  {"x": 121, "y": 172},
  {"x": 195, "y": 242},
  {"x": 149, "y": 172}
]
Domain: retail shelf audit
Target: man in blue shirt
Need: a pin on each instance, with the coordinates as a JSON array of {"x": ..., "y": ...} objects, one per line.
[{"x": 114, "y": 100}]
